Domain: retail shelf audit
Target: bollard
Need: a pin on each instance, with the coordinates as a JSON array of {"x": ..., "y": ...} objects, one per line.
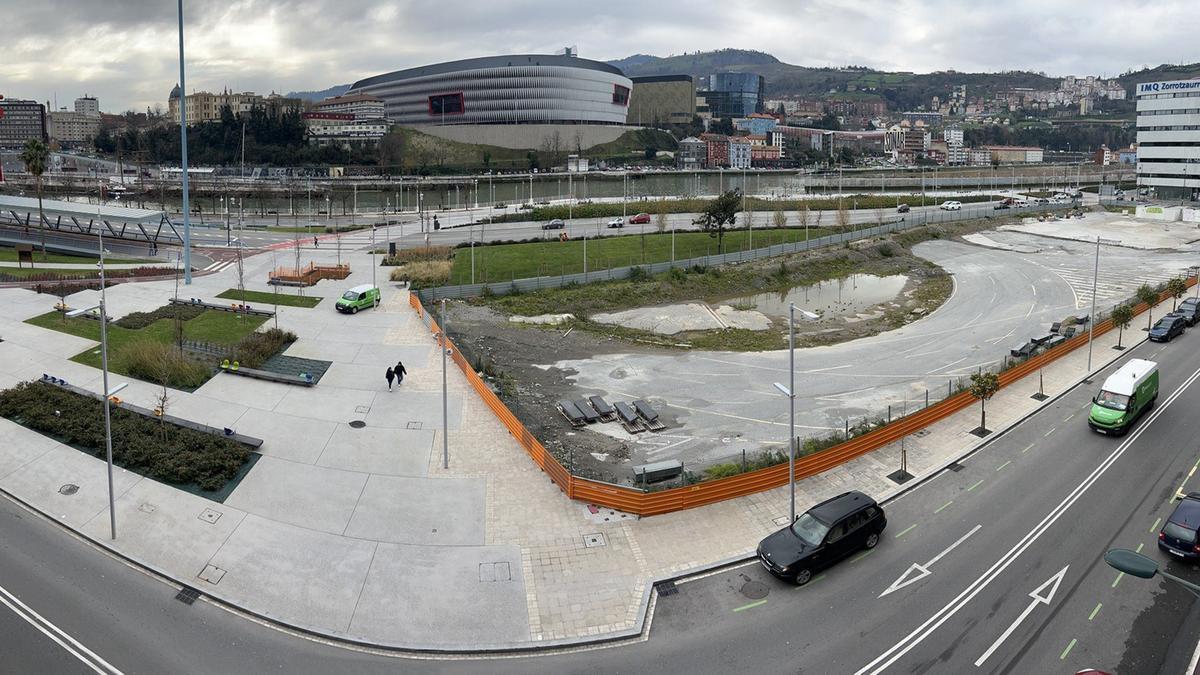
[
  {"x": 847, "y": 428},
  {"x": 926, "y": 398},
  {"x": 743, "y": 460},
  {"x": 949, "y": 387},
  {"x": 889, "y": 413}
]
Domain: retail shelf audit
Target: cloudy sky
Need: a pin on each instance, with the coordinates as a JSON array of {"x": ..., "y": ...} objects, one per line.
[{"x": 126, "y": 51}]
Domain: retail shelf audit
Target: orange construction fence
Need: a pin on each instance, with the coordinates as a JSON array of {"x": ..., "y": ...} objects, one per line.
[{"x": 633, "y": 500}]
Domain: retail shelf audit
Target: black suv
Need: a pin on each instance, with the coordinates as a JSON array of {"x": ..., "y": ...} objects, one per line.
[
  {"x": 1178, "y": 534},
  {"x": 1190, "y": 310},
  {"x": 821, "y": 536},
  {"x": 1168, "y": 327}
]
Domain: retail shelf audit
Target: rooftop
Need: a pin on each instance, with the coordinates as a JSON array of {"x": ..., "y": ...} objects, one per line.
[{"x": 52, "y": 208}]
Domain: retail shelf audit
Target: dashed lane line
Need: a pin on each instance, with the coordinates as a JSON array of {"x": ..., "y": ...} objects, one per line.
[
  {"x": 977, "y": 484},
  {"x": 1028, "y": 448},
  {"x": 1004, "y": 465},
  {"x": 1047, "y": 434},
  {"x": 943, "y": 506},
  {"x": 1154, "y": 527},
  {"x": 1095, "y": 611},
  {"x": 1070, "y": 646},
  {"x": 906, "y": 530},
  {"x": 752, "y": 605}
]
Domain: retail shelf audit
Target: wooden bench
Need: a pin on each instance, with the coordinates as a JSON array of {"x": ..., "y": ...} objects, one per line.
[{"x": 235, "y": 308}]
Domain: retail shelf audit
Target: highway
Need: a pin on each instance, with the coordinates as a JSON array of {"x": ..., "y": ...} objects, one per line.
[{"x": 1009, "y": 579}]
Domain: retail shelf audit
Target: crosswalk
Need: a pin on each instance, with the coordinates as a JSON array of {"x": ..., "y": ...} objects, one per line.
[
  {"x": 219, "y": 265},
  {"x": 1111, "y": 286}
]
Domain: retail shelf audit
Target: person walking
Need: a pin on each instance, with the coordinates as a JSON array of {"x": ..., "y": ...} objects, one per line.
[
  {"x": 315, "y": 244},
  {"x": 400, "y": 372},
  {"x": 390, "y": 375}
]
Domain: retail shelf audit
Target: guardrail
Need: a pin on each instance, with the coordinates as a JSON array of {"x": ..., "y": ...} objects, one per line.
[
  {"x": 897, "y": 224},
  {"x": 640, "y": 502}
]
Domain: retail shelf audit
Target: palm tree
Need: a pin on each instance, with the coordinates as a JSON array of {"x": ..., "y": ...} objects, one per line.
[{"x": 35, "y": 155}]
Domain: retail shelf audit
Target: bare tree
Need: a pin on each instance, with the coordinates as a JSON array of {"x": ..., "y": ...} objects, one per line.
[
  {"x": 780, "y": 218},
  {"x": 843, "y": 215}
]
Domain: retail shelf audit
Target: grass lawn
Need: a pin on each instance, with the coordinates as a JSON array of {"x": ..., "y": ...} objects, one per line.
[
  {"x": 515, "y": 261},
  {"x": 265, "y": 298},
  {"x": 9, "y": 254},
  {"x": 211, "y": 326}
]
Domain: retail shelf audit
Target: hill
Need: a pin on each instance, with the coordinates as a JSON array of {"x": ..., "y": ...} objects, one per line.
[
  {"x": 335, "y": 90},
  {"x": 1162, "y": 73}
]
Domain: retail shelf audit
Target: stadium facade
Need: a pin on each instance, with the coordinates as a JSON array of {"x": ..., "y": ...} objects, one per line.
[{"x": 517, "y": 89}]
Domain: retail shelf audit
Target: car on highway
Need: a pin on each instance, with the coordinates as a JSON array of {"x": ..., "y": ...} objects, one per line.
[
  {"x": 1178, "y": 534},
  {"x": 1190, "y": 310},
  {"x": 951, "y": 206},
  {"x": 616, "y": 222},
  {"x": 1124, "y": 396},
  {"x": 640, "y": 219},
  {"x": 556, "y": 224},
  {"x": 903, "y": 208},
  {"x": 1167, "y": 328},
  {"x": 821, "y": 536}
]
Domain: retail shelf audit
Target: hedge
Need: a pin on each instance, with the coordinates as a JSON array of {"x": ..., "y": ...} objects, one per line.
[{"x": 145, "y": 446}]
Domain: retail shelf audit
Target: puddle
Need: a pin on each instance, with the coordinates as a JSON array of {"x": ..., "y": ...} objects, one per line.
[{"x": 847, "y": 296}]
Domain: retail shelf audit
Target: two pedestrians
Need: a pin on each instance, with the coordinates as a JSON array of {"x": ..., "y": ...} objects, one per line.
[{"x": 397, "y": 373}]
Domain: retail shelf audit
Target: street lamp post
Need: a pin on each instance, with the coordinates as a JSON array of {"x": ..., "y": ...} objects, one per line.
[
  {"x": 790, "y": 392},
  {"x": 1095, "y": 280},
  {"x": 445, "y": 406},
  {"x": 1137, "y": 565}
]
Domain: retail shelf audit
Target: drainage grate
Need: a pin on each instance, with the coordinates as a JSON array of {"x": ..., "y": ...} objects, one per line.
[
  {"x": 68, "y": 489},
  {"x": 364, "y": 409},
  {"x": 357, "y": 424},
  {"x": 595, "y": 540},
  {"x": 187, "y": 595},
  {"x": 414, "y": 425},
  {"x": 955, "y": 466},
  {"x": 666, "y": 588}
]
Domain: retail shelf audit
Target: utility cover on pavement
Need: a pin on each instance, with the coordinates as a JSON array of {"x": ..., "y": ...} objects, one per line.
[
  {"x": 595, "y": 540},
  {"x": 755, "y": 590},
  {"x": 357, "y": 424},
  {"x": 68, "y": 489},
  {"x": 209, "y": 516},
  {"x": 494, "y": 571}
]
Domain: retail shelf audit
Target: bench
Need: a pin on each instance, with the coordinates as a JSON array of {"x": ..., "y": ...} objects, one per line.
[
  {"x": 571, "y": 413},
  {"x": 1023, "y": 350},
  {"x": 235, "y": 308},
  {"x": 304, "y": 379},
  {"x": 232, "y": 435},
  {"x": 629, "y": 418},
  {"x": 607, "y": 414},
  {"x": 649, "y": 415},
  {"x": 589, "y": 415},
  {"x": 658, "y": 471}
]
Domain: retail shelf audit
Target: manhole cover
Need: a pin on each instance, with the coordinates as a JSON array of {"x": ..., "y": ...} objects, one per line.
[
  {"x": 755, "y": 590},
  {"x": 594, "y": 540},
  {"x": 357, "y": 424},
  {"x": 68, "y": 489}
]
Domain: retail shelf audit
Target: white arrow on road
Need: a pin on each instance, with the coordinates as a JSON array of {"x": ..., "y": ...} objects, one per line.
[
  {"x": 917, "y": 571},
  {"x": 1042, "y": 595}
]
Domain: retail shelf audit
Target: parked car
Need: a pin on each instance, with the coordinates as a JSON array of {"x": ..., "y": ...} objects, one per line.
[
  {"x": 1190, "y": 310},
  {"x": 1168, "y": 327},
  {"x": 1178, "y": 534},
  {"x": 1003, "y": 204},
  {"x": 556, "y": 224},
  {"x": 640, "y": 219},
  {"x": 903, "y": 208},
  {"x": 616, "y": 222},
  {"x": 359, "y": 297},
  {"x": 1040, "y": 201},
  {"x": 951, "y": 206},
  {"x": 821, "y": 536}
]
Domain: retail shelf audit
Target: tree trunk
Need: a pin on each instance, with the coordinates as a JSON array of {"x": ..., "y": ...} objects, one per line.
[
  {"x": 1120, "y": 334},
  {"x": 983, "y": 414}
]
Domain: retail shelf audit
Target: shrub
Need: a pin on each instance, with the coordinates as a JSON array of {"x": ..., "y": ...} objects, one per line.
[
  {"x": 160, "y": 363},
  {"x": 254, "y": 349},
  {"x": 143, "y": 445},
  {"x": 427, "y": 253},
  {"x": 638, "y": 273},
  {"x": 424, "y": 273},
  {"x": 136, "y": 320},
  {"x": 677, "y": 274}
]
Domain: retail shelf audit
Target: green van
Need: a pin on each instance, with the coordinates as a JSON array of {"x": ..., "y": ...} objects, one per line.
[
  {"x": 359, "y": 297},
  {"x": 1125, "y": 395}
]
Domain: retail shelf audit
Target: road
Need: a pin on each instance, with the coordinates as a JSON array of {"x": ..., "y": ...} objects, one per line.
[{"x": 1046, "y": 499}]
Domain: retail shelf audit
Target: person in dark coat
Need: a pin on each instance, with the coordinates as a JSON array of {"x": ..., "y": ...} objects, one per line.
[
  {"x": 390, "y": 374},
  {"x": 400, "y": 372}
]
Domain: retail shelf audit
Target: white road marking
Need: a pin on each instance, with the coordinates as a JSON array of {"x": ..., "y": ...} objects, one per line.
[
  {"x": 60, "y": 637},
  {"x": 923, "y": 570},
  {"x": 948, "y": 365},
  {"x": 920, "y": 633},
  {"x": 1042, "y": 595}
]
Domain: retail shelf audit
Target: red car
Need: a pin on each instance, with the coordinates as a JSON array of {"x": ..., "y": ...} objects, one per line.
[{"x": 640, "y": 219}]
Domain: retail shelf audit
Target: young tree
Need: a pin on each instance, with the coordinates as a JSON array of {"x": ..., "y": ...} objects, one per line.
[
  {"x": 660, "y": 216},
  {"x": 983, "y": 387},
  {"x": 843, "y": 215},
  {"x": 802, "y": 215},
  {"x": 35, "y": 156},
  {"x": 1149, "y": 296},
  {"x": 1122, "y": 315},
  {"x": 780, "y": 218},
  {"x": 720, "y": 213},
  {"x": 1176, "y": 287}
]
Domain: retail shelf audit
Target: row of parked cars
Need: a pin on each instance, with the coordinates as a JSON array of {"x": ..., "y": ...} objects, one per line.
[
  {"x": 639, "y": 219},
  {"x": 1172, "y": 325}
]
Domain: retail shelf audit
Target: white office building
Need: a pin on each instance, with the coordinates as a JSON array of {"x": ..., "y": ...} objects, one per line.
[{"x": 1168, "y": 138}]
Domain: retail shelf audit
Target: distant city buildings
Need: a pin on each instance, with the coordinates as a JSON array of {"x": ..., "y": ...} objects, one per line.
[
  {"x": 87, "y": 105},
  {"x": 203, "y": 106},
  {"x": 1168, "y": 138},
  {"x": 71, "y": 128},
  {"x": 346, "y": 121},
  {"x": 729, "y": 95},
  {"x": 20, "y": 122}
]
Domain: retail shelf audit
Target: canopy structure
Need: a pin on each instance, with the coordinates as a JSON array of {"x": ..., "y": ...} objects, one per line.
[{"x": 122, "y": 222}]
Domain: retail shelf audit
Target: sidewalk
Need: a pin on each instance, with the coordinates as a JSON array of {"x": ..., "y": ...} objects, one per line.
[{"x": 360, "y": 533}]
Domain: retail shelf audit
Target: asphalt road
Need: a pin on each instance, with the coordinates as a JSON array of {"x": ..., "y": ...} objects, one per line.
[{"x": 1042, "y": 502}]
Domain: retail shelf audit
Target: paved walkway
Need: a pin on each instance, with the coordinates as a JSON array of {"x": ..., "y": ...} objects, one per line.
[{"x": 361, "y": 533}]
